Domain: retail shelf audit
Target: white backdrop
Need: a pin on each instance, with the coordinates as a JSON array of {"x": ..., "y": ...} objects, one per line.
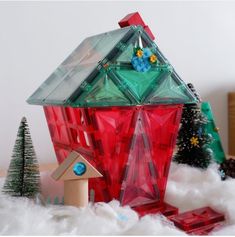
[{"x": 198, "y": 38}]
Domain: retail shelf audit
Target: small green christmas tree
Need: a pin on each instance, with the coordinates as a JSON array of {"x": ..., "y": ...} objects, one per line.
[
  {"x": 23, "y": 177},
  {"x": 192, "y": 139}
]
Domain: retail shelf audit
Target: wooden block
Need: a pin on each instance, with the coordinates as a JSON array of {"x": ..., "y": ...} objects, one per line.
[
  {"x": 76, "y": 192},
  {"x": 231, "y": 123}
]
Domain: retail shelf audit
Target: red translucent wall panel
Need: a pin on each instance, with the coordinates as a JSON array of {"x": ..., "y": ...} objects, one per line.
[
  {"x": 131, "y": 146},
  {"x": 61, "y": 153},
  {"x": 114, "y": 129},
  {"x": 139, "y": 185},
  {"x": 68, "y": 128},
  {"x": 161, "y": 125}
]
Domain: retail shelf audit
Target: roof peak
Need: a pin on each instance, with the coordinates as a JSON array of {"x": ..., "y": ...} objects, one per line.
[
  {"x": 135, "y": 18},
  {"x": 109, "y": 62}
]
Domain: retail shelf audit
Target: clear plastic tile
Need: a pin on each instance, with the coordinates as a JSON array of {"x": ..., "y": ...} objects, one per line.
[{"x": 76, "y": 68}]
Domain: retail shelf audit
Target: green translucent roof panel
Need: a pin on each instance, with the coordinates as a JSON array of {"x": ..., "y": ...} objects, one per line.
[
  {"x": 170, "y": 89},
  {"x": 103, "y": 91},
  {"x": 77, "y": 67},
  {"x": 99, "y": 73},
  {"x": 127, "y": 49},
  {"x": 137, "y": 82},
  {"x": 118, "y": 86}
]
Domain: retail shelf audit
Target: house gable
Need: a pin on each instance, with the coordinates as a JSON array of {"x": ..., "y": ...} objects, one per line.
[{"x": 99, "y": 73}]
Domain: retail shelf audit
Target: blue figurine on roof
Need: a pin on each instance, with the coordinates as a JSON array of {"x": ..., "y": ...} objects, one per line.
[{"x": 143, "y": 59}]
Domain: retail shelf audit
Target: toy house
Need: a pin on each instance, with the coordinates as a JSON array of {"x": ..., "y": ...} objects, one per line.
[{"x": 117, "y": 101}]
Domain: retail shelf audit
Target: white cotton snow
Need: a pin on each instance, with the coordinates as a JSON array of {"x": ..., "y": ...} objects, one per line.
[{"x": 187, "y": 188}]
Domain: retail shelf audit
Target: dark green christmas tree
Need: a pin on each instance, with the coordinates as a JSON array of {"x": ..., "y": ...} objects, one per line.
[
  {"x": 192, "y": 139},
  {"x": 23, "y": 177}
]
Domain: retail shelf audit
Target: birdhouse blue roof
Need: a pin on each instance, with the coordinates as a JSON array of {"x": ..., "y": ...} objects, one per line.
[{"x": 123, "y": 67}]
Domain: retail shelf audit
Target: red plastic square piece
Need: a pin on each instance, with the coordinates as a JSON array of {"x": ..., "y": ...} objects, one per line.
[
  {"x": 131, "y": 19},
  {"x": 154, "y": 208},
  {"x": 206, "y": 229},
  {"x": 135, "y": 19},
  {"x": 198, "y": 221}
]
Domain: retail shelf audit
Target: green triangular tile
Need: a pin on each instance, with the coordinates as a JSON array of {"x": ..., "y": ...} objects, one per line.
[
  {"x": 137, "y": 82},
  {"x": 103, "y": 92},
  {"x": 170, "y": 90},
  {"x": 126, "y": 55}
]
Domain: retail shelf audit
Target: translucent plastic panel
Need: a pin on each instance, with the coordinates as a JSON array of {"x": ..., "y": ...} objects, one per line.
[
  {"x": 113, "y": 49},
  {"x": 191, "y": 221},
  {"x": 139, "y": 188},
  {"x": 123, "y": 86},
  {"x": 113, "y": 137},
  {"x": 156, "y": 207},
  {"x": 68, "y": 128},
  {"x": 161, "y": 127},
  {"x": 93, "y": 49},
  {"x": 126, "y": 55},
  {"x": 102, "y": 92},
  {"x": 170, "y": 90},
  {"x": 130, "y": 145},
  {"x": 75, "y": 69},
  {"x": 61, "y": 153},
  {"x": 206, "y": 230},
  {"x": 120, "y": 86},
  {"x": 70, "y": 83},
  {"x": 142, "y": 40},
  {"x": 140, "y": 84},
  {"x": 48, "y": 86}
]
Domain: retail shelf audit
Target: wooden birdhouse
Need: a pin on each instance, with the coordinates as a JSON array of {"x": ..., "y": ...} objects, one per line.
[{"x": 75, "y": 171}]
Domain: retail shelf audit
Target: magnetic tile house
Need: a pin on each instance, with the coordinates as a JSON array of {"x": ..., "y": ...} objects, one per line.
[{"x": 117, "y": 101}]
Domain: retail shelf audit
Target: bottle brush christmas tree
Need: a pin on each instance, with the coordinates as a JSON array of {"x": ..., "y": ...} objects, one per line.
[
  {"x": 23, "y": 177},
  {"x": 192, "y": 139}
]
